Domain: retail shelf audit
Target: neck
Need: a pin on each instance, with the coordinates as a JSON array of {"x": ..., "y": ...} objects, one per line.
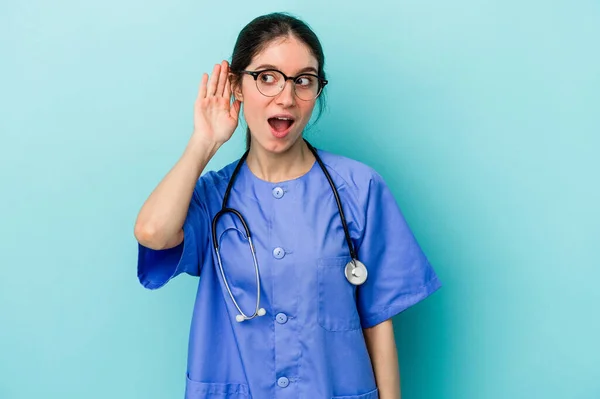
[{"x": 288, "y": 165}]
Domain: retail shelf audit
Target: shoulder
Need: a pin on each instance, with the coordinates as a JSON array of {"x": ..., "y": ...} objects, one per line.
[
  {"x": 361, "y": 187},
  {"x": 357, "y": 176},
  {"x": 215, "y": 178},
  {"x": 210, "y": 187}
]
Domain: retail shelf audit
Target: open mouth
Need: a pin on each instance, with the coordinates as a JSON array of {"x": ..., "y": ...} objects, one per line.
[{"x": 280, "y": 124}]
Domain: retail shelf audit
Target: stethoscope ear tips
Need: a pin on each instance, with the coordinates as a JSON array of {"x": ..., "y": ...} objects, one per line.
[{"x": 261, "y": 312}]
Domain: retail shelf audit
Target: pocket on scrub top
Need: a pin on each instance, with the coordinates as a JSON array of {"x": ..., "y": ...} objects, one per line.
[
  {"x": 337, "y": 297},
  {"x": 207, "y": 390},
  {"x": 374, "y": 394}
]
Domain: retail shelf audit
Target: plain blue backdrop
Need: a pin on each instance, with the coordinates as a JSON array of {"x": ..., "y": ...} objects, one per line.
[{"x": 482, "y": 116}]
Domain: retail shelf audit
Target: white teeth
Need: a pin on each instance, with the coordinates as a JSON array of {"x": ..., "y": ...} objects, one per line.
[{"x": 284, "y": 119}]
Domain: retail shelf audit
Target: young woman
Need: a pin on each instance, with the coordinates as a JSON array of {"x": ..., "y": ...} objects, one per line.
[{"x": 303, "y": 255}]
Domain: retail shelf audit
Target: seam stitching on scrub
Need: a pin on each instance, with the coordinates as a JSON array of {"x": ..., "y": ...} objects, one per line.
[
  {"x": 352, "y": 192},
  {"x": 224, "y": 180},
  {"x": 296, "y": 202},
  {"x": 420, "y": 291}
]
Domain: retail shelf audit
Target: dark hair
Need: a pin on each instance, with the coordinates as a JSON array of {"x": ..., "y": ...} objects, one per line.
[{"x": 260, "y": 32}]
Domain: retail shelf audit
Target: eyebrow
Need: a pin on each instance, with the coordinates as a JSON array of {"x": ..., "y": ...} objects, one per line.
[{"x": 269, "y": 66}]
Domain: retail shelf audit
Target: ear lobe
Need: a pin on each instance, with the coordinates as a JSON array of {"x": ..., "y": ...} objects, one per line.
[{"x": 235, "y": 89}]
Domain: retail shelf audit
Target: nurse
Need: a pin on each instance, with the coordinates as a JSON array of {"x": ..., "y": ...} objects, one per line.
[{"x": 281, "y": 318}]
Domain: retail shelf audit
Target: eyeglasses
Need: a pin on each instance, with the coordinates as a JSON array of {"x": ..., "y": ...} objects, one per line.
[{"x": 270, "y": 82}]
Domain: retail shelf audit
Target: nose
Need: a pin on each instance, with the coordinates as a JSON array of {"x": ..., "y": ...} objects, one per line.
[{"x": 287, "y": 97}]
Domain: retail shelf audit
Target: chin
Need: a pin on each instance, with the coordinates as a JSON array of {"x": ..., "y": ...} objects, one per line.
[{"x": 278, "y": 145}]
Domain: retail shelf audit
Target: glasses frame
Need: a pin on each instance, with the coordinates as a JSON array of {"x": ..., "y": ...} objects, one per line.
[{"x": 255, "y": 74}]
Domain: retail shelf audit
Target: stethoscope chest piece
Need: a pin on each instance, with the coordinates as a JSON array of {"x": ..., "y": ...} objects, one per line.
[{"x": 356, "y": 272}]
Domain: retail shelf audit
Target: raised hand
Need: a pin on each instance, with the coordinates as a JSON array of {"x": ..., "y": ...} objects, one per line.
[{"x": 215, "y": 116}]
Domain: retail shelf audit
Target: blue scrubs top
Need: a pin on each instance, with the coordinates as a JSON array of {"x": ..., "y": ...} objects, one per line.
[{"x": 310, "y": 343}]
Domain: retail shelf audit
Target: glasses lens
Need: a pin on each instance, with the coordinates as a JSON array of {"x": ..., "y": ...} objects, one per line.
[
  {"x": 307, "y": 87},
  {"x": 271, "y": 83}
]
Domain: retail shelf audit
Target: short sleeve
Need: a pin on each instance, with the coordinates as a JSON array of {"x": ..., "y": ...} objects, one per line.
[
  {"x": 399, "y": 274},
  {"x": 157, "y": 267}
]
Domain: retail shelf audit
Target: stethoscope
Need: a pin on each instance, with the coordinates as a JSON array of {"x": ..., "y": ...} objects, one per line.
[{"x": 355, "y": 271}]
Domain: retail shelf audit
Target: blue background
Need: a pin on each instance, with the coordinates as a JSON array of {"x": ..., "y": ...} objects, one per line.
[{"x": 482, "y": 116}]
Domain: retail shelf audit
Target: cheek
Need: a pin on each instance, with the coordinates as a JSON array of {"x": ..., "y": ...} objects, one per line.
[
  {"x": 254, "y": 106},
  {"x": 307, "y": 109}
]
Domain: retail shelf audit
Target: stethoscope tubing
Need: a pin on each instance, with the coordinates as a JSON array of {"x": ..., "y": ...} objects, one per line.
[{"x": 224, "y": 210}]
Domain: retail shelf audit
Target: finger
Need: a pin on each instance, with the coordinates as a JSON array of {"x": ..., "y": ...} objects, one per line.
[
  {"x": 227, "y": 91},
  {"x": 212, "y": 82},
  {"x": 222, "y": 78},
  {"x": 235, "y": 109},
  {"x": 202, "y": 90}
]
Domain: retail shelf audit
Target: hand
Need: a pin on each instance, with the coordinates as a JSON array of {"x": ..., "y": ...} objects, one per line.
[{"x": 215, "y": 117}]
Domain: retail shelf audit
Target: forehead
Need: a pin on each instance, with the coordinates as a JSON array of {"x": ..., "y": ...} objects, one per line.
[{"x": 287, "y": 54}]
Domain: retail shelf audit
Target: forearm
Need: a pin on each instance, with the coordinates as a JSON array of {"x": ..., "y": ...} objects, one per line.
[
  {"x": 160, "y": 220},
  {"x": 384, "y": 358}
]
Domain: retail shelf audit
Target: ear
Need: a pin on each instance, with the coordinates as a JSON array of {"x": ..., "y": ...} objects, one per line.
[
  {"x": 238, "y": 96},
  {"x": 236, "y": 88}
]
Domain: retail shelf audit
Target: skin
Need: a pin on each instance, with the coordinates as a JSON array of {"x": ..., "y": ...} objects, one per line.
[
  {"x": 159, "y": 224},
  {"x": 271, "y": 158},
  {"x": 381, "y": 345}
]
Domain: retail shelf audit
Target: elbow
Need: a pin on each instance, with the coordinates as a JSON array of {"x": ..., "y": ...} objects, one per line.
[
  {"x": 152, "y": 237},
  {"x": 148, "y": 236}
]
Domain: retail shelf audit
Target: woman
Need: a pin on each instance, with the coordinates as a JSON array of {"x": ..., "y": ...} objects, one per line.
[{"x": 299, "y": 317}]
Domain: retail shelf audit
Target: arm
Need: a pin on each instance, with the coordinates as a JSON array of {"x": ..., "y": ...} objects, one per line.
[
  {"x": 159, "y": 224},
  {"x": 382, "y": 350}
]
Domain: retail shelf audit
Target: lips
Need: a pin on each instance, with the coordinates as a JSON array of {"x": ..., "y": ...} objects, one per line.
[{"x": 281, "y": 124}]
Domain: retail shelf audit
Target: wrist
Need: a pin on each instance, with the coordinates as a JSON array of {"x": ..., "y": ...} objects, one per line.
[
  {"x": 199, "y": 152},
  {"x": 202, "y": 146}
]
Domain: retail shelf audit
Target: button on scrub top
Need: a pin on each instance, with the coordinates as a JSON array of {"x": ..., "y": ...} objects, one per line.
[{"x": 310, "y": 343}]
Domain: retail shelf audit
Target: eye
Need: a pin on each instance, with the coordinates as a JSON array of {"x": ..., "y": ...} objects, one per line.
[
  {"x": 306, "y": 81},
  {"x": 268, "y": 77}
]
